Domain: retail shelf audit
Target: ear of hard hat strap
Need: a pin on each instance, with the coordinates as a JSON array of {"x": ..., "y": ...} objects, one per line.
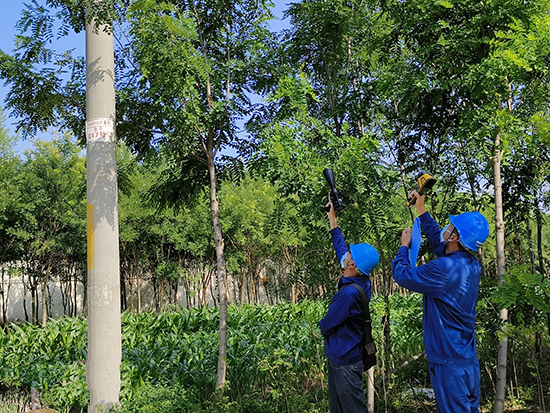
[{"x": 369, "y": 348}]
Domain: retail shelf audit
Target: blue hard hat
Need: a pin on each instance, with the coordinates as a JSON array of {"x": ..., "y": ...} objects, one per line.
[
  {"x": 472, "y": 227},
  {"x": 364, "y": 256}
]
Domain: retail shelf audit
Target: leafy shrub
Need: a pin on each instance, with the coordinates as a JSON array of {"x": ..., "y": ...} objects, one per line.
[
  {"x": 525, "y": 292},
  {"x": 275, "y": 359},
  {"x": 160, "y": 399},
  {"x": 71, "y": 394},
  {"x": 43, "y": 357}
]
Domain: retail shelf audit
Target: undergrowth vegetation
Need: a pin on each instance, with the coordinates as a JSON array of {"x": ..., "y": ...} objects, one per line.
[{"x": 275, "y": 360}]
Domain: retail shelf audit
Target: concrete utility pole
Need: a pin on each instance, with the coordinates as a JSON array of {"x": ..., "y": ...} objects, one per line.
[{"x": 104, "y": 330}]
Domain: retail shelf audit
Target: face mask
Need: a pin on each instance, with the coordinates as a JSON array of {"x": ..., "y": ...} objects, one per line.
[
  {"x": 442, "y": 234},
  {"x": 346, "y": 255}
]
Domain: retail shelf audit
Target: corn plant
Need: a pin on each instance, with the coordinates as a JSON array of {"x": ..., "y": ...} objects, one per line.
[
  {"x": 275, "y": 359},
  {"x": 50, "y": 358}
]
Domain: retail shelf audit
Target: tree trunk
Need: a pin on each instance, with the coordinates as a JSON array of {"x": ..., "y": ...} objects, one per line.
[
  {"x": 542, "y": 269},
  {"x": 131, "y": 286},
  {"x": 123, "y": 293},
  {"x": 34, "y": 303},
  {"x": 538, "y": 216},
  {"x": 71, "y": 295},
  {"x": 85, "y": 289},
  {"x": 25, "y": 292},
  {"x": 222, "y": 353},
  {"x": 240, "y": 286},
  {"x": 138, "y": 295},
  {"x": 530, "y": 243},
  {"x": 5, "y": 293},
  {"x": 44, "y": 291},
  {"x": 501, "y": 269},
  {"x": 386, "y": 280},
  {"x": 161, "y": 294}
]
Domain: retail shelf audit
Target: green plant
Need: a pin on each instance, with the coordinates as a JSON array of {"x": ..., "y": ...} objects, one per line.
[
  {"x": 275, "y": 358},
  {"x": 524, "y": 290},
  {"x": 161, "y": 399}
]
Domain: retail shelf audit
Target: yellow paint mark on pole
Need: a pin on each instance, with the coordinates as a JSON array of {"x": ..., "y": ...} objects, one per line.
[{"x": 90, "y": 232}]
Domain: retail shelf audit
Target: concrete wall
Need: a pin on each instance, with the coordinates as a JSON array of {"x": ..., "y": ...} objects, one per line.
[{"x": 17, "y": 301}]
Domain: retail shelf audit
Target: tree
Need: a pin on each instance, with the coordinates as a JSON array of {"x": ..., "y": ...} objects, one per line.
[
  {"x": 52, "y": 181},
  {"x": 259, "y": 225},
  {"x": 47, "y": 86},
  {"x": 466, "y": 81},
  {"x": 10, "y": 210},
  {"x": 192, "y": 62},
  {"x": 297, "y": 146},
  {"x": 335, "y": 43},
  {"x": 164, "y": 245}
]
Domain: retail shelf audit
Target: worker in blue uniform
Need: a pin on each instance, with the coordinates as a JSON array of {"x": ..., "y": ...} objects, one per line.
[
  {"x": 450, "y": 287},
  {"x": 343, "y": 325}
]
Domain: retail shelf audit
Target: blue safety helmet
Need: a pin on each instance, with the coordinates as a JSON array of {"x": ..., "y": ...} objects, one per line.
[
  {"x": 472, "y": 227},
  {"x": 364, "y": 256}
]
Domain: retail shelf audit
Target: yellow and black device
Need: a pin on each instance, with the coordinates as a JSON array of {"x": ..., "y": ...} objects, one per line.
[{"x": 425, "y": 183}]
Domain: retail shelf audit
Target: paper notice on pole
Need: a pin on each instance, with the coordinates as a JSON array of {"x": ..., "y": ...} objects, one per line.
[{"x": 100, "y": 130}]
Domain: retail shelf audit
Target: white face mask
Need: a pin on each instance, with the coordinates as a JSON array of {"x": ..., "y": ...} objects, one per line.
[
  {"x": 442, "y": 235},
  {"x": 346, "y": 255}
]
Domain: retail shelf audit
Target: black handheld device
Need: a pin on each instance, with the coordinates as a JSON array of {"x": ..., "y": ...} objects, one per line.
[{"x": 334, "y": 194}]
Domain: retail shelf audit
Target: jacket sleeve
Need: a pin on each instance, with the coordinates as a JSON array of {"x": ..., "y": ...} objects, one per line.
[
  {"x": 425, "y": 279},
  {"x": 339, "y": 243},
  {"x": 431, "y": 229},
  {"x": 340, "y": 311}
]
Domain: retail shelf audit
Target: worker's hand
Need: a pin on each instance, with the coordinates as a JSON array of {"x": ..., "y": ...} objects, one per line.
[
  {"x": 420, "y": 202},
  {"x": 406, "y": 238},
  {"x": 331, "y": 215}
]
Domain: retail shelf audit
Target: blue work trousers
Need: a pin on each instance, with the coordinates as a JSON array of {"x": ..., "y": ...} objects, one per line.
[
  {"x": 456, "y": 388},
  {"x": 345, "y": 386}
]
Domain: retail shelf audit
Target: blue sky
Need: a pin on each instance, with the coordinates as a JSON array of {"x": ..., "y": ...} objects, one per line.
[{"x": 11, "y": 13}]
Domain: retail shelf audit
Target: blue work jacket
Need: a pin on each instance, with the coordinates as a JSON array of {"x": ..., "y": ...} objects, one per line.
[
  {"x": 450, "y": 287},
  {"x": 343, "y": 325}
]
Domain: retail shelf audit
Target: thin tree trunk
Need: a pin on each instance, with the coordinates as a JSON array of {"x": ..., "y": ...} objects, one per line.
[
  {"x": 530, "y": 243},
  {"x": 34, "y": 303},
  {"x": 248, "y": 287},
  {"x": 175, "y": 284},
  {"x": 44, "y": 290},
  {"x": 387, "y": 338},
  {"x": 499, "y": 218},
  {"x": 542, "y": 269},
  {"x": 25, "y": 292},
  {"x": 84, "y": 268},
  {"x": 212, "y": 287},
  {"x": 131, "y": 285},
  {"x": 123, "y": 293},
  {"x": 65, "y": 288},
  {"x": 222, "y": 353},
  {"x": 5, "y": 293},
  {"x": 70, "y": 293},
  {"x": 138, "y": 295},
  {"x": 161, "y": 294},
  {"x": 538, "y": 217},
  {"x": 240, "y": 286}
]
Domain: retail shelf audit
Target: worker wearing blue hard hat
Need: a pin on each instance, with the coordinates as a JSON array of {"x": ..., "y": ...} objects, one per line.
[
  {"x": 450, "y": 286},
  {"x": 343, "y": 326}
]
